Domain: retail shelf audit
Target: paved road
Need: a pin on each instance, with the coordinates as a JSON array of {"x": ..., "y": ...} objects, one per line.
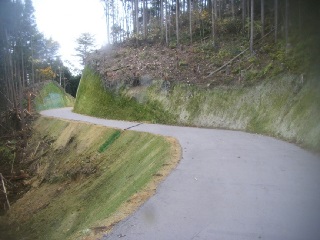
[{"x": 229, "y": 186}]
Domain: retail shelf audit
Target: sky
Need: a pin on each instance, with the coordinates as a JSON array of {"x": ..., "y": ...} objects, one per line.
[{"x": 65, "y": 20}]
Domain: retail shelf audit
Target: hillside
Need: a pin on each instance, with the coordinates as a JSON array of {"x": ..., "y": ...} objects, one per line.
[
  {"x": 266, "y": 83},
  {"x": 271, "y": 92},
  {"x": 84, "y": 178},
  {"x": 200, "y": 64}
]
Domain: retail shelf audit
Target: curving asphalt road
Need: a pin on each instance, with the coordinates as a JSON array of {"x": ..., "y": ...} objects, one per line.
[{"x": 229, "y": 186}]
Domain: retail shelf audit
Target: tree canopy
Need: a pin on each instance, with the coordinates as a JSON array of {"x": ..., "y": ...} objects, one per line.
[{"x": 86, "y": 44}]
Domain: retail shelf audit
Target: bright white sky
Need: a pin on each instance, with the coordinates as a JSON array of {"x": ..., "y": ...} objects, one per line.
[{"x": 65, "y": 20}]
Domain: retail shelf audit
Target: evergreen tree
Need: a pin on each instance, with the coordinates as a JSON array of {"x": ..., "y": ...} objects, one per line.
[{"x": 86, "y": 44}]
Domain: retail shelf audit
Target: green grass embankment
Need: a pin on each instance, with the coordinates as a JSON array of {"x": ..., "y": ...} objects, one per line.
[
  {"x": 51, "y": 96},
  {"x": 76, "y": 187},
  {"x": 92, "y": 99},
  {"x": 284, "y": 107}
]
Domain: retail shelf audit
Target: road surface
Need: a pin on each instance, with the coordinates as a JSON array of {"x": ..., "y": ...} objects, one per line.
[{"x": 229, "y": 185}]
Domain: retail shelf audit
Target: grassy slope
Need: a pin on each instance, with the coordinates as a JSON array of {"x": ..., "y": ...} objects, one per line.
[
  {"x": 77, "y": 186},
  {"x": 283, "y": 107},
  {"x": 52, "y": 96},
  {"x": 92, "y": 99}
]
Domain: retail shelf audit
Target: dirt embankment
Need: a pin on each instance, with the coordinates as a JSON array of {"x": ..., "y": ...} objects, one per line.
[{"x": 196, "y": 64}]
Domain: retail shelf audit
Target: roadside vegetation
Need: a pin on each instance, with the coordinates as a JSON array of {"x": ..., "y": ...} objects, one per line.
[
  {"x": 78, "y": 182},
  {"x": 208, "y": 64},
  {"x": 93, "y": 99},
  {"x": 215, "y": 66},
  {"x": 285, "y": 107},
  {"x": 51, "y": 95}
]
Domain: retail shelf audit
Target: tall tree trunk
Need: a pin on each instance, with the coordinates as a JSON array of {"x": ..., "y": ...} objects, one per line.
[
  {"x": 190, "y": 20},
  {"x": 32, "y": 62},
  {"x": 287, "y": 26},
  {"x": 161, "y": 19},
  {"x": 20, "y": 111},
  {"x": 216, "y": 8},
  {"x": 23, "y": 69},
  {"x": 167, "y": 22},
  {"x": 262, "y": 18},
  {"x": 213, "y": 23},
  {"x": 113, "y": 16},
  {"x": 125, "y": 20},
  {"x": 248, "y": 13},
  {"x": 107, "y": 20},
  {"x": 232, "y": 8},
  {"x": 136, "y": 7},
  {"x": 243, "y": 15},
  {"x": 251, "y": 31},
  {"x": 133, "y": 15},
  {"x": 144, "y": 19},
  {"x": 177, "y": 22},
  {"x": 275, "y": 20}
]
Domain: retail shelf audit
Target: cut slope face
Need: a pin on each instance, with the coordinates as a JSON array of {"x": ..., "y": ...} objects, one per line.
[
  {"x": 78, "y": 190},
  {"x": 286, "y": 107},
  {"x": 51, "y": 96}
]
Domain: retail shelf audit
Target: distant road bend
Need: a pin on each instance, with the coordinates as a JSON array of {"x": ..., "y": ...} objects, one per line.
[{"x": 229, "y": 186}]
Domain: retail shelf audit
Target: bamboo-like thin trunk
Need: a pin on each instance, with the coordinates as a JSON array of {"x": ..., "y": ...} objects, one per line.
[
  {"x": 287, "y": 26},
  {"x": 248, "y": 14},
  {"x": 275, "y": 20},
  {"x": 190, "y": 20},
  {"x": 167, "y": 16},
  {"x": 144, "y": 19},
  {"x": 137, "y": 17},
  {"x": 161, "y": 19},
  {"x": 177, "y": 22},
  {"x": 252, "y": 21},
  {"x": 32, "y": 63},
  {"x": 213, "y": 24}
]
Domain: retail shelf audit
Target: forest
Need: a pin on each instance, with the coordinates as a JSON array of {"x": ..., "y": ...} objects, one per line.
[
  {"x": 27, "y": 58},
  {"x": 186, "y": 21}
]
